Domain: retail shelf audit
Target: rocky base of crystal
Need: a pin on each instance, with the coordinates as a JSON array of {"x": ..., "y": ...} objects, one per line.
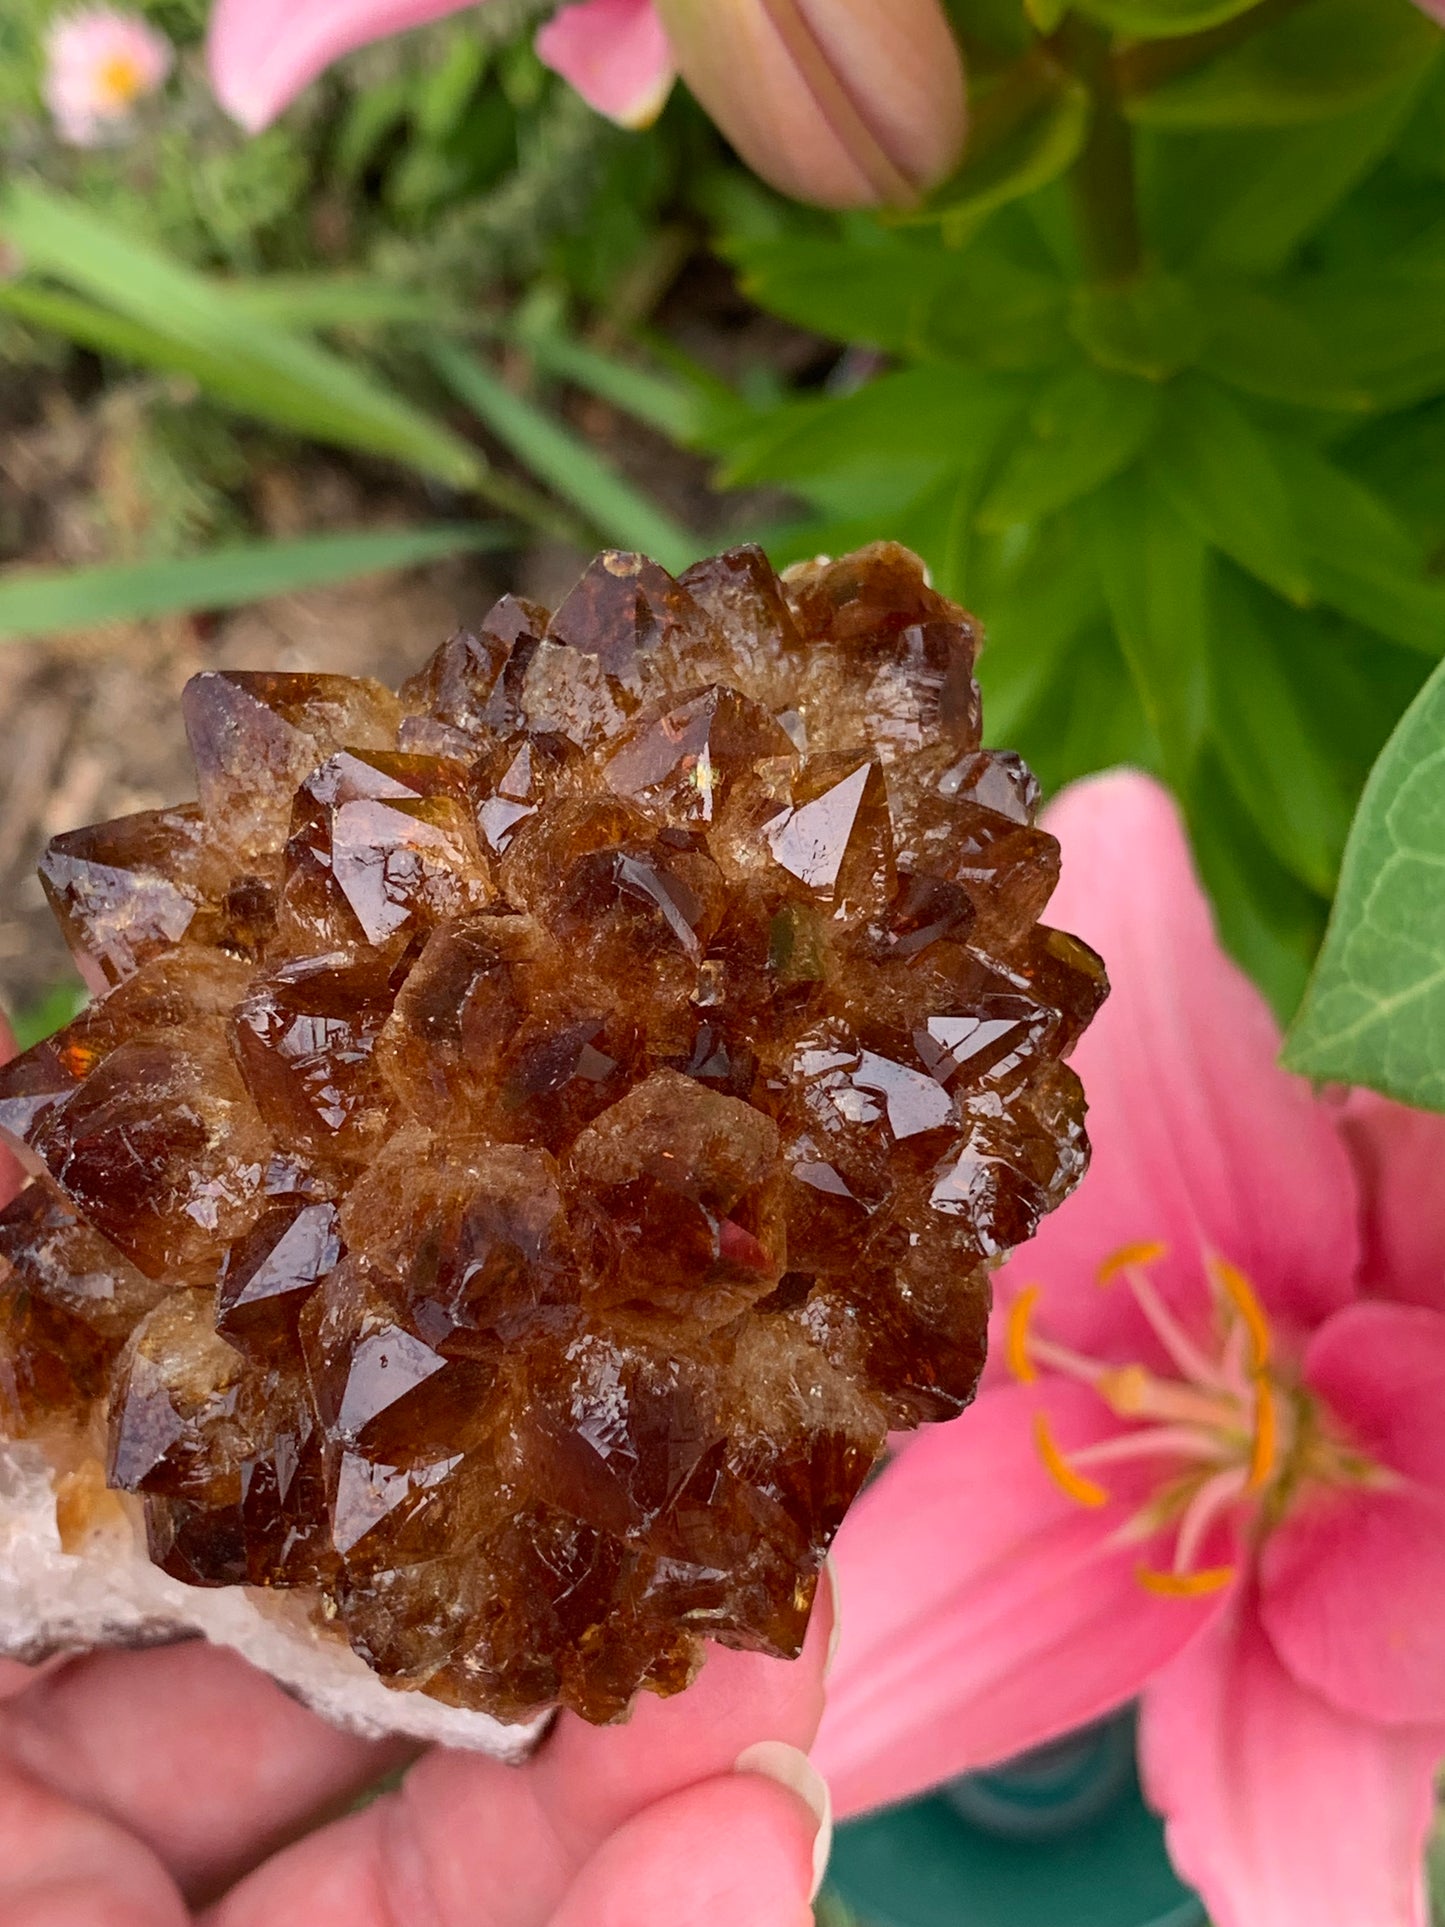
[{"x": 104, "y": 1592}]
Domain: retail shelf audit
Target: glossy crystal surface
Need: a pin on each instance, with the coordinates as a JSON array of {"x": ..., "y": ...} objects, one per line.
[{"x": 540, "y": 1131}]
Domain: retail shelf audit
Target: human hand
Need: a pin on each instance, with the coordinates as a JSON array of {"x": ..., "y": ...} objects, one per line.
[{"x": 138, "y": 1787}]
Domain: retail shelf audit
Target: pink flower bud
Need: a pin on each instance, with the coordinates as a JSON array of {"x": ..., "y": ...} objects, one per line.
[
  {"x": 99, "y": 63},
  {"x": 849, "y": 103}
]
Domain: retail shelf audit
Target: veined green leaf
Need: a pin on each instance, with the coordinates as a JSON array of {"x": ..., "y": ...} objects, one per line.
[
  {"x": 1155, "y": 567},
  {"x": 1375, "y": 1010},
  {"x": 1084, "y": 427},
  {"x": 1025, "y": 132},
  {"x": 1314, "y": 61},
  {"x": 244, "y": 361},
  {"x": 1219, "y": 470},
  {"x": 39, "y": 603},
  {"x": 622, "y": 513}
]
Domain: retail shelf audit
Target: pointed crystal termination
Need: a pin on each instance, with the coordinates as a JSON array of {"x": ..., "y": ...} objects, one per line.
[{"x": 539, "y": 1132}]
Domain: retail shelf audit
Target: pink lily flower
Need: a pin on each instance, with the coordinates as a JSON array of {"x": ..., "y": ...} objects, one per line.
[
  {"x": 1208, "y": 1464},
  {"x": 845, "y": 102}
]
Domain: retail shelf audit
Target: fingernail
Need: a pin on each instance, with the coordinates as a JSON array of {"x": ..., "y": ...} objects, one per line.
[
  {"x": 776, "y": 1760},
  {"x": 835, "y": 1631}
]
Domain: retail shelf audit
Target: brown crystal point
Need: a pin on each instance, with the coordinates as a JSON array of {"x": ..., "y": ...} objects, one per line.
[
  {"x": 126, "y": 891},
  {"x": 539, "y": 1133},
  {"x": 267, "y": 1276},
  {"x": 683, "y": 764},
  {"x": 624, "y": 611},
  {"x": 255, "y": 735}
]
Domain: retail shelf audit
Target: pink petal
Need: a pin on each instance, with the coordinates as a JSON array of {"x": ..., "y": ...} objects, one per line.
[
  {"x": 1380, "y": 1369},
  {"x": 1351, "y": 1581},
  {"x": 261, "y": 53},
  {"x": 1280, "y": 1809},
  {"x": 1399, "y": 1155},
  {"x": 1200, "y": 1139},
  {"x": 615, "y": 53},
  {"x": 983, "y": 1611}
]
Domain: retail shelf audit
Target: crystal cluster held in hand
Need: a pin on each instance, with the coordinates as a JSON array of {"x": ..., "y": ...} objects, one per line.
[{"x": 538, "y": 1132}]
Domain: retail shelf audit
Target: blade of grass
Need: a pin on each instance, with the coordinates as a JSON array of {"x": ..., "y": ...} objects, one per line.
[
  {"x": 240, "y": 357},
  {"x": 620, "y": 512},
  {"x": 346, "y": 301},
  {"x": 39, "y": 604},
  {"x": 663, "y": 404}
]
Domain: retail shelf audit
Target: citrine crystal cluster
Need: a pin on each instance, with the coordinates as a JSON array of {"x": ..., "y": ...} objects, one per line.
[{"x": 537, "y": 1132}]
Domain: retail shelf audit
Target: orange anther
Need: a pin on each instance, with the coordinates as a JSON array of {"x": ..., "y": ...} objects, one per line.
[
  {"x": 1266, "y": 1434},
  {"x": 1128, "y": 1255},
  {"x": 1071, "y": 1483},
  {"x": 1016, "y": 1337},
  {"x": 1184, "y": 1585},
  {"x": 1241, "y": 1294}
]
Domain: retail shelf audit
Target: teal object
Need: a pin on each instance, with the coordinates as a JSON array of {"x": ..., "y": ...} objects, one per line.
[{"x": 1059, "y": 1838}]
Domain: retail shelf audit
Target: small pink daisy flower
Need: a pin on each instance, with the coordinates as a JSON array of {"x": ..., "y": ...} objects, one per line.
[{"x": 99, "y": 62}]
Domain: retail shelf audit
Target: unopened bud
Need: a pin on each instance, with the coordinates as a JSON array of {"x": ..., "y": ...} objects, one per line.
[{"x": 849, "y": 103}]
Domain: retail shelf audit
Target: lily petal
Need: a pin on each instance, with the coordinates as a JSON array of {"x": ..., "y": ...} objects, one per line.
[
  {"x": 984, "y": 1611},
  {"x": 1200, "y": 1140},
  {"x": 261, "y": 53},
  {"x": 1399, "y": 1154},
  {"x": 1351, "y": 1580},
  {"x": 1279, "y": 1808},
  {"x": 615, "y": 53}
]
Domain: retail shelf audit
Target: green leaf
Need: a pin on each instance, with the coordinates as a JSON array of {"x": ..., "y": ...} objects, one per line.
[
  {"x": 1309, "y": 63},
  {"x": 1149, "y": 327},
  {"x": 1161, "y": 19},
  {"x": 1219, "y": 471},
  {"x": 1269, "y": 922},
  {"x": 1154, "y": 568},
  {"x": 1242, "y": 201},
  {"x": 906, "y": 294},
  {"x": 39, "y": 604},
  {"x": 622, "y": 513},
  {"x": 248, "y": 363},
  {"x": 1264, "y": 346},
  {"x": 1085, "y": 426},
  {"x": 669, "y": 406},
  {"x": 1026, "y": 131},
  {"x": 1375, "y": 1010},
  {"x": 344, "y": 301},
  {"x": 1387, "y": 329},
  {"x": 1037, "y": 597},
  {"x": 891, "y": 440},
  {"x": 1087, "y": 715},
  {"x": 1361, "y": 559},
  {"x": 1299, "y": 795}
]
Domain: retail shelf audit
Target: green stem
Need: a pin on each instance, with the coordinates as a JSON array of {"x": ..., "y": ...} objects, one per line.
[{"x": 1101, "y": 184}]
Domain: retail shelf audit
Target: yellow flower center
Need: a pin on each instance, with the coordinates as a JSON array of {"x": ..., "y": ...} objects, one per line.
[
  {"x": 119, "y": 82},
  {"x": 1230, "y": 1426}
]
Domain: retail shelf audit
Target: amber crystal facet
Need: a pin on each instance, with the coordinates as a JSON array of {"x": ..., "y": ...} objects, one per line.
[{"x": 541, "y": 1130}]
